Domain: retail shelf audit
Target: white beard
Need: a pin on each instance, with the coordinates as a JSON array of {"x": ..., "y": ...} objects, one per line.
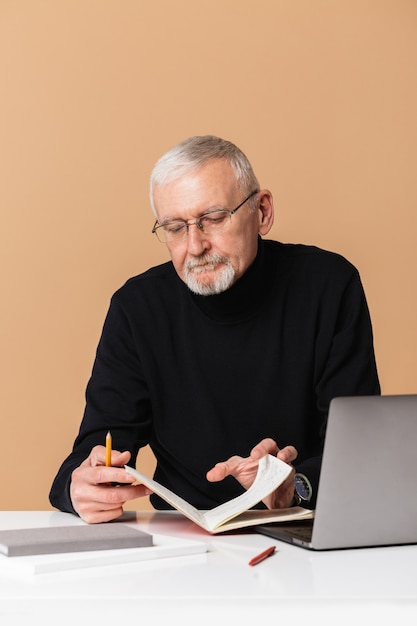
[{"x": 223, "y": 279}]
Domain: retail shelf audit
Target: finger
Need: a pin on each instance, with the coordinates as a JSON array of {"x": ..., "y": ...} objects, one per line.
[
  {"x": 91, "y": 513},
  {"x": 288, "y": 454},
  {"x": 119, "y": 459},
  {"x": 118, "y": 495},
  {"x": 100, "y": 475},
  {"x": 104, "y": 498},
  {"x": 266, "y": 446},
  {"x": 218, "y": 472},
  {"x": 101, "y": 503},
  {"x": 224, "y": 468},
  {"x": 98, "y": 457},
  {"x": 283, "y": 496}
]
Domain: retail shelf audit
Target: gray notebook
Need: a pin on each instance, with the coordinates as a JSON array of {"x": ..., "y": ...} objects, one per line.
[
  {"x": 366, "y": 492},
  {"x": 58, "y": 539}
]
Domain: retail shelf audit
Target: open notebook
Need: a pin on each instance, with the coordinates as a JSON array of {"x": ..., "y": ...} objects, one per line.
[{"x": 366, "y": 495}]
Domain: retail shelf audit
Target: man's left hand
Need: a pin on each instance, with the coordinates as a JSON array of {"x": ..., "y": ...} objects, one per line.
[{"x": 244, "y": 470}]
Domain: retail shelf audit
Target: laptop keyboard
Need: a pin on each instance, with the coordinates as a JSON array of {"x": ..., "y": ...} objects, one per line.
[{"x": 301, "y": 530}]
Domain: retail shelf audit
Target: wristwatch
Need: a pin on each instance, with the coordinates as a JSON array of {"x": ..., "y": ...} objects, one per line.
[{"x": 302, "y": 489}]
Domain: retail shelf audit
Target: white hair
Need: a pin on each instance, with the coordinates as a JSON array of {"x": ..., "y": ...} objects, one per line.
[{"x": 195, "y": 152}]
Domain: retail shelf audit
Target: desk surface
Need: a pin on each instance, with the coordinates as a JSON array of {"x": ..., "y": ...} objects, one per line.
[{"x": 218, "y": 583}]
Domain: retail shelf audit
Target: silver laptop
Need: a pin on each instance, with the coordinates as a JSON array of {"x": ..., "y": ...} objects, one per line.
[{"x": 366, "y": 495}]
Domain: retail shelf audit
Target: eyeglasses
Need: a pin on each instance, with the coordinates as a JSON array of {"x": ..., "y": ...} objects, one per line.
[{"x": 209, "y": 223}]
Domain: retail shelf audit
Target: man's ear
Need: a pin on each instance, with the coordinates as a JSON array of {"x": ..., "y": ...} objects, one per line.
[{"x": 266, "y": 211}]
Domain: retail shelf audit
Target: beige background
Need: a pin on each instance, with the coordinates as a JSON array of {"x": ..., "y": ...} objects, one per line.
[{"x": 322, "y": 96}]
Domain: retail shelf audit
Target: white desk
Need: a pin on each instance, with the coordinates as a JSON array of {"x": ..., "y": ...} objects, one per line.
[{"x": 293, "y": 584}]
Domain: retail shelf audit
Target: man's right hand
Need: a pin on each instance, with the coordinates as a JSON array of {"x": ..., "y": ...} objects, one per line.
[{"x": 92, "y": 494}]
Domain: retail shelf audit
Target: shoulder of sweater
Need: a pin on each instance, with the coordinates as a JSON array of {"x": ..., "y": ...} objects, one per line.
[
  {"x": 310, "y": 256},
  {"x": 150, "y": 284},
  {"x": 164, "y": 270}
]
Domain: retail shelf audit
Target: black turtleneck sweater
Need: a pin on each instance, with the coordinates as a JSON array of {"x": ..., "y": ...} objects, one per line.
[{"x": 202, "y": 378}]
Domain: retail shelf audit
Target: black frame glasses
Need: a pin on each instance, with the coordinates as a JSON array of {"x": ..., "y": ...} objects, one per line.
[{"x": 177, "y": 234}]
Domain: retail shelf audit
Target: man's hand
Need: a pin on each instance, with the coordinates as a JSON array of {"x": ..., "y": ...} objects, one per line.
[
  {"x": 245, "y": 470},
  {"x": 93, "y": 497}
]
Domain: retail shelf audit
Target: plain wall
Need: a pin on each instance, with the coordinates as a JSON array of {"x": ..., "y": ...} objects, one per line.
[{"x": 321, "y": 95}]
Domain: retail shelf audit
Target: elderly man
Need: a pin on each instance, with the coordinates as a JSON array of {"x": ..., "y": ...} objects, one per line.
[{"x": 232, "y": 350}]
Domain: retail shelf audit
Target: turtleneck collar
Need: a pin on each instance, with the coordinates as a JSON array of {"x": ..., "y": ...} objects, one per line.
[{"x": 243, "y": 299}]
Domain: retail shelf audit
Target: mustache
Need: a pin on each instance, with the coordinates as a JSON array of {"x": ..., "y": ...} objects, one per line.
[{"x": 207, "y": 259}]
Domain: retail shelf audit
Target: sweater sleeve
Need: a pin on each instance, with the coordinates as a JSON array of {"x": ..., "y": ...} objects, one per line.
[
  {"x": 117, "y": 399},
  {"x": 345, "y": 362}
]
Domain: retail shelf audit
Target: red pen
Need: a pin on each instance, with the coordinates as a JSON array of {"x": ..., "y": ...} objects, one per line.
[{"x": 262, "y": 556}]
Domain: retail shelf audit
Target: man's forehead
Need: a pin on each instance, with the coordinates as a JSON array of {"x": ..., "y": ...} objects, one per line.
[
  {"x": 196, "y": 191},
  {"x": 215, "y": 169}
]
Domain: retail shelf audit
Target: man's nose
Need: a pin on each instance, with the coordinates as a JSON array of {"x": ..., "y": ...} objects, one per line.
[{"x": 197, "y": 241}]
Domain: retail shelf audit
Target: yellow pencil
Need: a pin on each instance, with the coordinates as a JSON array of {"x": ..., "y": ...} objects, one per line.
[{"x": 108, "y": 449}]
